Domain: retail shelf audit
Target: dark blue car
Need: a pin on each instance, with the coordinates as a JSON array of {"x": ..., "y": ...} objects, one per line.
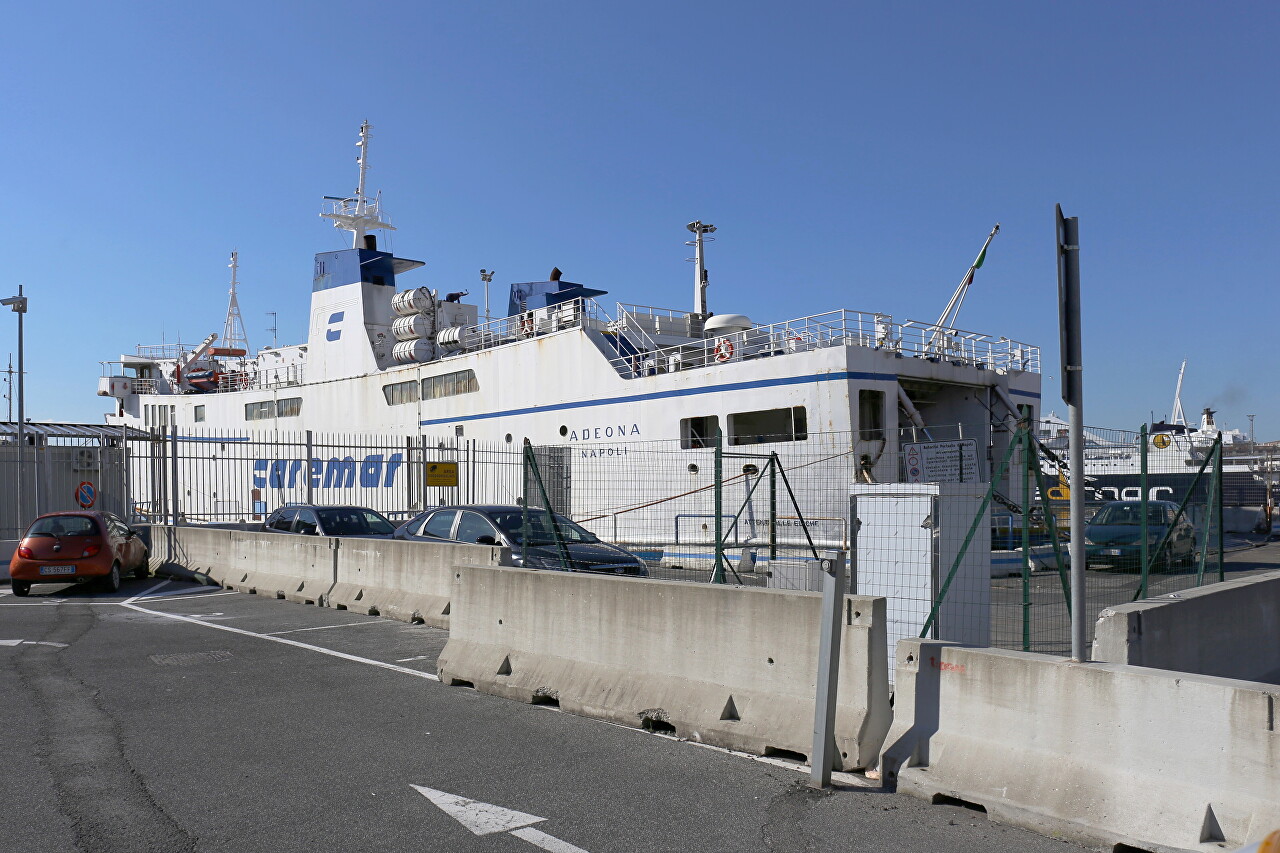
[{"x": 1113, "y": 536}]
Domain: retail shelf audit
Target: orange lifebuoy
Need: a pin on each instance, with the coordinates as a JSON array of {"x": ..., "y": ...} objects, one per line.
[{"x": 724, "y": 349}]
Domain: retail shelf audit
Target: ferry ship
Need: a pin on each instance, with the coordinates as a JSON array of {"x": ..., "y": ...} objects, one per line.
[{"x": 558, "y": 369}]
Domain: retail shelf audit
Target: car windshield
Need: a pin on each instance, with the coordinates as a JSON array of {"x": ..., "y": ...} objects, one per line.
[
  {"x": 1129, "y": 514},
  {"x": 353, "y": 521},
  {"x": 540, "y": 531},
  {"x": 64, "y": 525}
]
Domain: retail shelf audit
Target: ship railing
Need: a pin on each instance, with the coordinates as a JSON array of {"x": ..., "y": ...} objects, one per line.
[
  {"x": 575, "y": 313},
  {"x": 162, "y": 352},
  {"x": 836, "y": 328}
]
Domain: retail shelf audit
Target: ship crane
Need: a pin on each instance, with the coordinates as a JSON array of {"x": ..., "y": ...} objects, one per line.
[{"x": 943, "y": 327}]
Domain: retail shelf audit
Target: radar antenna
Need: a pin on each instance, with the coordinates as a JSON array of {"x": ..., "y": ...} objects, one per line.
[
  {"x": 233, "y": 335},
  {"x": 358, "y": 214}
]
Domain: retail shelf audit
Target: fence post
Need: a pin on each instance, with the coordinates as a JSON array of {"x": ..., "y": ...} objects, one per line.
[
  {"x": 311, "y": 452},
  {"x": 1142, "y": 532},
  {"x": 1024, "y": 440},
  {"x": 773, "y": 505},
  {"x": 1217, "y": 478},
  {"x": 834, "y": 586},
  {"x": 174, "y": 508},
  {"x": 717, "y": 573}
]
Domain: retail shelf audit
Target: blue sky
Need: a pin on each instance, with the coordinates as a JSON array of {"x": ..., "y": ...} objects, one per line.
[{"x": 852, "y": 155}]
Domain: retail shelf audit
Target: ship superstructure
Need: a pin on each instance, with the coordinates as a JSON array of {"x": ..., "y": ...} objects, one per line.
[{"x": 559, "y": 368}]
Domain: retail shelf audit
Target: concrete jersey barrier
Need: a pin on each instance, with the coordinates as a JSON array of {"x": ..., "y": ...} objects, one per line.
[
  {"x": 411, "y": 581},
  {"x": 1155, "y": 760},
  {"x": 1229, "y": 629},
  {"x": 723, "y": 665}
]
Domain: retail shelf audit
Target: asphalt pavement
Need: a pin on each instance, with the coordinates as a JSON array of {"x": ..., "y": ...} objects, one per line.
[{"x": 174, "y": 717}]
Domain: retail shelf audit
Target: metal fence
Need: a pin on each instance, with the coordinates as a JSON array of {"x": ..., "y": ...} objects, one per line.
[
  {"x": 212, "y": 477},
  {"x": 61, "y": 470},
  {"x": 967, "y": 551}
]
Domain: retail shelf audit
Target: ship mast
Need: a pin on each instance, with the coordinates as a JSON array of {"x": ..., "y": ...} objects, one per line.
[
  {"x": 700, "y": 231},
  {"x": 233, "y": 334},
  {"x": 358, "y": 214}
]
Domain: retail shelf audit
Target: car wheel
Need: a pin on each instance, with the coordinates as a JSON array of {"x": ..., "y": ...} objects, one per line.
[
  {"x": 112, "y": 581},
  {"x": 143, "y": 571},
  {"x": 20, "y": 588}
]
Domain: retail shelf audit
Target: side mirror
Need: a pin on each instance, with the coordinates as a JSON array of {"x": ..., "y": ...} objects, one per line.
[{"x": 130, "y": 533}]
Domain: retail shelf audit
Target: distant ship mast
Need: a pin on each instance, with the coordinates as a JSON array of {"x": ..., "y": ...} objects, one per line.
[
  {"x": 233, "y": 334},
  {"x": 359, "y": 214}
]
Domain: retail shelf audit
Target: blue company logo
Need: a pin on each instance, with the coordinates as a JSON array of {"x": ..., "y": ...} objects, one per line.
[
  {"x": 331, "y": 333},
  {"x": 374, "y": 472}
]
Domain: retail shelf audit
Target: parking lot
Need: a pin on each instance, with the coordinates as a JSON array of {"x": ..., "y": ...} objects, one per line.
[{"x": 177, "y": 717}]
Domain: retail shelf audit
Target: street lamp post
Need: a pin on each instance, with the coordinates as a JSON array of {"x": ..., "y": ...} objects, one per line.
[{"x": 18, "y": 304}]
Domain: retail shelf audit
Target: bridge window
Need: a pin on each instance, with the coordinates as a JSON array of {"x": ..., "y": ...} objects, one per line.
[
  {"x": 769, "y": 426},
  {"x": 290, "y": 407},
  {"x": 449, "y": 385},
  {"x": 699, "y": 432},
  {"x": 263, "y": 410},
  {"x": 870, "y": 415},
  {"x": 401, "y": 392}
]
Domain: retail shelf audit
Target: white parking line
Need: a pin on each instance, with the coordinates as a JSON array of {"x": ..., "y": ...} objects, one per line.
[
  {"x": 322, "y": 627},
  {"x": 404, "y": 670},
  {"x": 164, "y": 599}
]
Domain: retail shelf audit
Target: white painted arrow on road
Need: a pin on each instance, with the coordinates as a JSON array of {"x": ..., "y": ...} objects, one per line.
[
  {"x": 488, "y": 819},
  {"x": 32, "y": 643}
]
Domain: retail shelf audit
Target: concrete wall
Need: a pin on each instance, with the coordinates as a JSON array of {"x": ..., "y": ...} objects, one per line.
[
  {"x": 1157, "y": 760},
  {"x": 1229, "y": 629},
  {"x": 730, "y": 666},
  {"x": 411, "y": 581}
]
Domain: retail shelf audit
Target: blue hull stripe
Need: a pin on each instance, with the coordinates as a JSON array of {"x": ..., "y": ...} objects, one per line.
[
  {"x": 1033, "y": 394},
  {"x": 843, "y": 376}
]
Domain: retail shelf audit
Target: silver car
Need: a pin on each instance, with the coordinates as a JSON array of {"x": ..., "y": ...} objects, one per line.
[{"x": 537, "y": 539}]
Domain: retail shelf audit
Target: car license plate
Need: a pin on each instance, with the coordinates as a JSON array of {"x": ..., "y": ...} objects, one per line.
[
  {"x": 57, "y": 570},
  {"x": 1111, "y": 552}
]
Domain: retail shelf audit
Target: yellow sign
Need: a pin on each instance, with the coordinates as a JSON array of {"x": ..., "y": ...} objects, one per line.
[
  {"x": 442, "y": 473},
  {"x": 1161, "y": 441}
]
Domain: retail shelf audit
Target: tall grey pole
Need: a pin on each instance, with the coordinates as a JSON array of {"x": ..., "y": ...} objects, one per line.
[
  {"x": 18, "y": 304},
  {"x": 1073, "y": 396},
  {"x": 835, "y": 584}
]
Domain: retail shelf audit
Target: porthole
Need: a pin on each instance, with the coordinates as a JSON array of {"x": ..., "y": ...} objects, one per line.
[{"x": 564, "y": 430}]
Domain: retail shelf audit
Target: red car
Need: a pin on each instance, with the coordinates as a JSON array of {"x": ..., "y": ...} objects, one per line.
[{"x": 73, "y": 547}]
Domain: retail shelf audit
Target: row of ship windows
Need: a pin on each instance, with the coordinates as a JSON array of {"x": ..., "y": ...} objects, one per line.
[{"x": 431, "y": 388}]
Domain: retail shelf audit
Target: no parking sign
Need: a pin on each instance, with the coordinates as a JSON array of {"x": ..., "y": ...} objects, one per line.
[{"x": 86, "y": 494}]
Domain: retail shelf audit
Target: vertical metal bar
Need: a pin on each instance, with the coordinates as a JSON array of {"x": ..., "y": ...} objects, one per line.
[
  {"x": 1142, "y": 506},
  {"x": 1024, "y": 441},
  {"x": 408, "y": 480},
  {"x": 175, "y": 510},
  {"x": 306, "y": 467},
  {"x": 834, "y": 584},
  {"x": 717, "y": 573},
  {"x": 1217, "y": 476},
  {"x": 21, "y": 308},
  {"x": 127, "y": 477},
  {"x": 1068, "y": 237},
  {"x": 773, "y": 505}
]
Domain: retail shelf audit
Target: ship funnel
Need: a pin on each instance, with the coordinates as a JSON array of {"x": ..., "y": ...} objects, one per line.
[
  {"x": 371, "y": 242},
  {"x": 555, "y": 274}
]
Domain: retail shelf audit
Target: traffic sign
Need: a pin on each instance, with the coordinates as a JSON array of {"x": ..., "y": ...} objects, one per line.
[{"x": 86, "y": 494}]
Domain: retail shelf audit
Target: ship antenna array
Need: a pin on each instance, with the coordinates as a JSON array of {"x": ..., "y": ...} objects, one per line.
[
  {"x": 701, "y": 234},
  {"x": 358, "y": 214},
  {"x": 233, "y": 334},
  {"x": 275, "y": 340}
]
